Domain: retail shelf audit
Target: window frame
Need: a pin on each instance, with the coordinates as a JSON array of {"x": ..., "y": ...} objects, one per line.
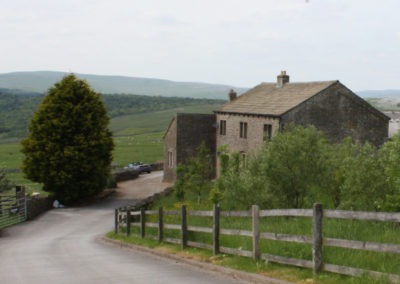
[
  {"x": 170, "y": 159},
  {"x": 267, "y": 132},
  {"x": 243, "y": 129},
  {"x": 222, "y": 127}
]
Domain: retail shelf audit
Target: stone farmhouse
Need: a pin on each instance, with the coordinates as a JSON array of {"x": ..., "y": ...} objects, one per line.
[{"x": 248, "y": 121}]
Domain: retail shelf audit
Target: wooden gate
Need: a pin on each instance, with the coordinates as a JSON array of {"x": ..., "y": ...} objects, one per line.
[{"x": 12, "y": 207}]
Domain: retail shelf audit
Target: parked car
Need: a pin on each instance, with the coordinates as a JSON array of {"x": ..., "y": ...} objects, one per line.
[
  {"x": 134, "y": 165},
  {"x": 143, "y": 168}
]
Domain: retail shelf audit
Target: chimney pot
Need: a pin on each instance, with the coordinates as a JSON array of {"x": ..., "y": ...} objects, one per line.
[
  {"x": 232, "y": 95},
  {"x": 282, "y": 79}
]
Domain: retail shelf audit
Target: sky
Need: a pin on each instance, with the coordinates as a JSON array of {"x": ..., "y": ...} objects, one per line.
[{"x": 234, "y": 42}]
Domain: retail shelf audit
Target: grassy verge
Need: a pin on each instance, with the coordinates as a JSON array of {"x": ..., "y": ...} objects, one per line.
[
  {"x": 333, "y": 228},
  {"x": 287, "y": 273}
]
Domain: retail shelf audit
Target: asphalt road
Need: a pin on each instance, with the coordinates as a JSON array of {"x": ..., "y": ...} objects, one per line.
[{"x": 60, "y": 247}]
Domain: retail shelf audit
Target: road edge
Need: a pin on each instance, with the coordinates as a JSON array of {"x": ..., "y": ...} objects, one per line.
[{"x": 228, "y": 272}]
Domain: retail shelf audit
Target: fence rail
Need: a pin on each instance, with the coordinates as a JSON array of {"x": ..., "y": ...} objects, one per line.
[{"x": 123, "y": 218}]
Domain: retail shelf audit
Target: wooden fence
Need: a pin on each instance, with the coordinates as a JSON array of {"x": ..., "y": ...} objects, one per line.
[
  {"x": 126, "y": 218},
  {"x": 12, "y": 207}
]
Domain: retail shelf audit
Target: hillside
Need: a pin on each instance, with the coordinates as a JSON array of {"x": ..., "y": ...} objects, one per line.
[
  {"x": 379, "y": 94},
  {"x": 41, "y": 81},
  {"x": 16, "y": 111}
]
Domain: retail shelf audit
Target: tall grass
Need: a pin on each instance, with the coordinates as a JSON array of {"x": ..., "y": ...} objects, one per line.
[{"x": 369, "y": 231}]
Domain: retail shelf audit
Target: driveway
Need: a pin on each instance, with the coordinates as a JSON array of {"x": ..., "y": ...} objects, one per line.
[{"x": 60, "y": 247}]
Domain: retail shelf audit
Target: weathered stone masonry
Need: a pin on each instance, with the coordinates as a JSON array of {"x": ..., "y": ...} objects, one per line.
[
  {"x": 339, "y": 113},
  {"x": 185, "y": 134},
  {"x": 255, "y": 129},
  {"x": 329, "y": 105}
]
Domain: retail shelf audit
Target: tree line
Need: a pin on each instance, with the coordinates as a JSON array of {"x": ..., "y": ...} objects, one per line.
[{"x": 18, "y": 107}]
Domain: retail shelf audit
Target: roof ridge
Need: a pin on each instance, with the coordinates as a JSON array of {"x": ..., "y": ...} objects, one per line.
[
  {"x": 267, "y": 98},
  {"x": 291, "y": 83}
]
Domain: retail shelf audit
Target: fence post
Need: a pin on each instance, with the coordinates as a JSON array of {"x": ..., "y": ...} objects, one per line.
[
  {"x": 128, "y": 222},
  {"x": 26, "y": 207},
  {"x": 184, "y": 227},
  {"x": 116, "y": 221},
  {"x": 317, "y": 238},
  {"x": 160, "y": 224},
  {"x": 216, "y": 229},
  {"x": 256, "y": 232},
  {"x": 142, "y": 222}
]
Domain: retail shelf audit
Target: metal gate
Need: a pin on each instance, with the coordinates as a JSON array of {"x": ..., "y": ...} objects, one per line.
[{"x": 12, "y": 207}]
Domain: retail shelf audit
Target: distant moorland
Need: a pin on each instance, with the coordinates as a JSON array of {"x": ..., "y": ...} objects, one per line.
[
  {"x": 41, "y": 81},
  {"x": 17, "y": 109}
]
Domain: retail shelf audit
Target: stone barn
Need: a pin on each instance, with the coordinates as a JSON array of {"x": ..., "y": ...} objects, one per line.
[{"x": 184, "y": 135}]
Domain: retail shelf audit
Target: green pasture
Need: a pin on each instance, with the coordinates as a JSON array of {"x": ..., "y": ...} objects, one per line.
[
  {"x": 10, "y": 155},
  {"x": 129, "y": 125},
  {"x": 137, "y": 137},
  {"x": 145, "y": 147}
]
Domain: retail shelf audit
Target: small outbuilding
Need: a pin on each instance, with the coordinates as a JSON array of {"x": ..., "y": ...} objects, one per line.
[{"x": 185, "y": 134}]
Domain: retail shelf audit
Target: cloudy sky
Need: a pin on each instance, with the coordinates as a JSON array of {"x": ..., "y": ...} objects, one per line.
[{"x": 241, "y": 43}]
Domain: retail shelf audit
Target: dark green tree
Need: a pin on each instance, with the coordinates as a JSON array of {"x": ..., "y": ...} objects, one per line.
[
  {"x": 296, "y": 166},
  {"x": 390, "y": 159},
  {"x": 69, "y": 147},
  {"x": 243, "y": 182},
  {"x": 289, "y": 172},
  {"x": 364, "y": 184}
]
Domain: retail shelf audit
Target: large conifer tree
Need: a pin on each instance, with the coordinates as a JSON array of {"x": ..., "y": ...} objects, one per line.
[{"x": 69, "y": 147}]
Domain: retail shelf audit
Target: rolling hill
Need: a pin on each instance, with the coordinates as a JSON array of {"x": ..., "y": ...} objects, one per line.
[
  {"x": 41, "y": 81},
  {"x": 17, "y": 109},
  {"x": 380, "y": 94}
]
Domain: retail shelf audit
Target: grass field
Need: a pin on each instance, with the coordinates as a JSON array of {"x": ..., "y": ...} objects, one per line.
[
  {"x": 381, "y": 232},
  {"x": 137, "y": 137}
]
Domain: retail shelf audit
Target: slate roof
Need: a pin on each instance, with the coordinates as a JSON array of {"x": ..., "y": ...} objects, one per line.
[{"x": 268, "y": 99}]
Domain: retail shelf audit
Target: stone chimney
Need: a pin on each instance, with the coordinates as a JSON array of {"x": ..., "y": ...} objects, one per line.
[
  {"x": 282, "y": 79},
  {"x": 232, "y": 95}
]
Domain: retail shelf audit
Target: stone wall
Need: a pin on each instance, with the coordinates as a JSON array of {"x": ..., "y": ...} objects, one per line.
[
  {"x": 340, "y": 113},
  {"x": 255, "y": 132},
  {"x": 37, "y": 205},
  {"x": 159, "y": 166},
  {"x": 184, "y": 136},
  {"x": 170, "y": 147},
  {"x": 192, "y": 130},
  {"x": 125, "y": 174},
  {"x": 147, "y": 202}
]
